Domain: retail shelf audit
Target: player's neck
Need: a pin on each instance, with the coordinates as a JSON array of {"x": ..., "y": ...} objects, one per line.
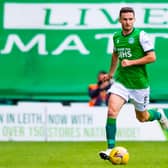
[{"x": 127, "y": 32}]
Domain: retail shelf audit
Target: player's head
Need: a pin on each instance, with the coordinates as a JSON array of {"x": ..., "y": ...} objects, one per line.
[
  {"x": 127, "y": 18},
  {"x": 126, "y": 10}
]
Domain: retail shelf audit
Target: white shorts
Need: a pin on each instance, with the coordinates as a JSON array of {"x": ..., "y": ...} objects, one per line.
[{"x": 138, "y": 97}]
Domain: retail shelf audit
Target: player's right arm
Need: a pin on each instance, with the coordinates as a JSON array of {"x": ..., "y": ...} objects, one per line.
[
  {"x": 114, "y": 62},
  {"x": 113, "y": 66}
]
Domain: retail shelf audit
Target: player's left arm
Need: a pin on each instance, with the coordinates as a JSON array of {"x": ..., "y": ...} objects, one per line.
[
  {"x": 148, "y": 58},
  {"x": 148, "y": 48}
]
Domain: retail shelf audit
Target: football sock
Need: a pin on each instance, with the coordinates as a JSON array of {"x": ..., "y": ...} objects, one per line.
[
  {"x": 110, "y": 132},
  {"x": 154, "y": 115}
]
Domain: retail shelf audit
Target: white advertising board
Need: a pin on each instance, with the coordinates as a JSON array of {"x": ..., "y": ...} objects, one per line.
[{"x": 77, "y": 122}]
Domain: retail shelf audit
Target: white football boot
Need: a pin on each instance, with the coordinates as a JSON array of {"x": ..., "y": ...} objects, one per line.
[
  {"x": 105, "y": 154},
  {"x": 163, "y": 121}
]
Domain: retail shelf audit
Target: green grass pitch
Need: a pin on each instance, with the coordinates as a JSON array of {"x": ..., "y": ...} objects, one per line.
[{"x": 79, "y": 155}]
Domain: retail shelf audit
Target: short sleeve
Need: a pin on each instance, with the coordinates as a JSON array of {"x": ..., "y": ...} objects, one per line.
[{"x": 145, "y": 41}]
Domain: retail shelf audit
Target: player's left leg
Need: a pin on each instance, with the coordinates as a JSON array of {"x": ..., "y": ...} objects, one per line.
[
  {"x": 140, "y": 99},
  {"x": 147, "y": 115},
  {"x": 158, "y": 114},
  {"x": 151, "y": 115}
]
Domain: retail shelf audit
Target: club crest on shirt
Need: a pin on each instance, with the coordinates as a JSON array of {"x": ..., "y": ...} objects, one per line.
[{"x": 131, "y": 40}]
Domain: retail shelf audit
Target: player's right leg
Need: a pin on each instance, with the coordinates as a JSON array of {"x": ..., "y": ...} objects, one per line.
[{"x": 114, "y": 106}]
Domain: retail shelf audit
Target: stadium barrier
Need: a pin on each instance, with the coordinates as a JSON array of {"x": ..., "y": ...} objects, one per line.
[{"x": 77, "y": 122}]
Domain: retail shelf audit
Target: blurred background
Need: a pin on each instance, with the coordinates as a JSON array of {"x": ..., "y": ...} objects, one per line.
[{"x": 52, "y": 50}]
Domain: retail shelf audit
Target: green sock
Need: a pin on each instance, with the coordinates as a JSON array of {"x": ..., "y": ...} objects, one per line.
[
  {"x": 110, "y": 132},
  {"x": 154, "y": 115}
]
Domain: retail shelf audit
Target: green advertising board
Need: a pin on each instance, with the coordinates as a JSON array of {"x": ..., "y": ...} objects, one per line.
[{"x": 52, "y": 50}]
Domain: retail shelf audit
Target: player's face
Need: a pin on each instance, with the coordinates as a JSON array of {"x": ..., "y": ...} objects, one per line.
[{"x": 127, "y": 21}]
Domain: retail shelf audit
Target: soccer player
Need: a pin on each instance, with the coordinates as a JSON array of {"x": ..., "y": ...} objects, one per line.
[{"x": 132, "y": 51}]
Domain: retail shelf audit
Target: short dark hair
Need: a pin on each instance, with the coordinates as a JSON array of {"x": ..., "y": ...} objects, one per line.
[{"x": 125, "y": 10}]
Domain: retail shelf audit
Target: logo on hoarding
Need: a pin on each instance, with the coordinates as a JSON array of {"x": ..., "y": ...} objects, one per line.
[
  {"x": 81, "y": 15},
  {"x": 71, "y": 23}
]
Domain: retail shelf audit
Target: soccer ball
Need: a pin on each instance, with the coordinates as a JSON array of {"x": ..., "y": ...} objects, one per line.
[{"x": 119, "y": 155}]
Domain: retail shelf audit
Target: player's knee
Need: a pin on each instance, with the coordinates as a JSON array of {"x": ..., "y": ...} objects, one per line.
[{"x": 112, "y": 112}]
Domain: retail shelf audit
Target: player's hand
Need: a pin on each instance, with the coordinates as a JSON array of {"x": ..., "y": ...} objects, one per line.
[{"x": 125, "y": 63}]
